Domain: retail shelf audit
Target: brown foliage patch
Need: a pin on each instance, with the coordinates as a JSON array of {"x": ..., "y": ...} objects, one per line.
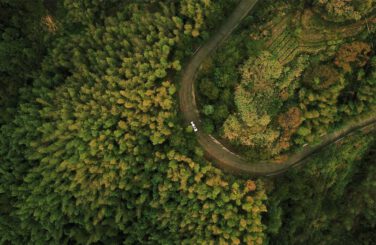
[
  {"x": 250, "y": 185},
  {"x": 356, "y": 53},
  {"x": 291, "y": 119},
  {"x": 290, "y": 122},
  {"x": 49, "y": 22}
]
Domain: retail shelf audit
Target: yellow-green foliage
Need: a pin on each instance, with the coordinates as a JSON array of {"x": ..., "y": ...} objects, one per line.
[
  {"x": 344, "y": 10},
  {"x": 95, "y": 153},
  {"x": 322, "y": 75},
  {"x": 265, "y": 85},
  {"x": 318, "y": 99},
  {"x": 252, "y": 98},
  {"x": 328, "y": 92}
]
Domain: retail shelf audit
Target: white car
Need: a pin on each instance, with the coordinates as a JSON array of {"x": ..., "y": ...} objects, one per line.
[{"x": 194, "y": 127}]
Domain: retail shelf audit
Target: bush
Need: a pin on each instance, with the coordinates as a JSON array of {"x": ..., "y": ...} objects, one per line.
[
  {"x": 208, "y": 89},
  {"x": 208, "y": 126},
  {"x": 208, "y": 110}
]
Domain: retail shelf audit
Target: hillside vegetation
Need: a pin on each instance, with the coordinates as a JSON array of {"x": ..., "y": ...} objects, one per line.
[
  {"x": 93, "y": 149},
  {"x": 288, "y": 82}
]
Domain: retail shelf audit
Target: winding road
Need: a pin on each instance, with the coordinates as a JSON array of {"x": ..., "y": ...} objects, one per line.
[{"x": 213, "y": 149}]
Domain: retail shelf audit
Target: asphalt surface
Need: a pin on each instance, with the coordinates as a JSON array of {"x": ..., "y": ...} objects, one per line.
[{"x": 214, "y": 150}]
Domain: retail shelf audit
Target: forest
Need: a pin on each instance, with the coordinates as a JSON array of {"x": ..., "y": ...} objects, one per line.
[
  {"x": 94, "y": 149},
  {"x": 303, "y": 73}
]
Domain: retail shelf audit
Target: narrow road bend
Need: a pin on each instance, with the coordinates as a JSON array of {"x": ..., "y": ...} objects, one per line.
[{"x": 214, "y": 150}]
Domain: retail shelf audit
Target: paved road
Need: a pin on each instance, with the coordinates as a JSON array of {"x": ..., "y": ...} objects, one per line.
[{"x": 213, "y": 149}]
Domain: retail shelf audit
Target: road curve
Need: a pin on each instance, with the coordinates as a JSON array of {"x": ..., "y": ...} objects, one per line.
[{"x": 213, "y": 149}]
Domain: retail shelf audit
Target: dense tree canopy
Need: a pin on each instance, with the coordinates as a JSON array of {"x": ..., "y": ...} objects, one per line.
[
  {"x": 329, "y": 201},
  {"x": 93, "y": 150},
  {"x": 302, "y": 67},
  {"x": 22, "y": 47}
]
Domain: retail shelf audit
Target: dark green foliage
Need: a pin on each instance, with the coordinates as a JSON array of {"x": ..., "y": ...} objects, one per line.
[
  {"x": 327, "y": 77},
  {"x": 329, "y": 200},
  {"x": 93, "y": 151},
  {"x": 96, "y": 154},
  {"x": 208, "y": 126},
  {"x": 359, "y": 97},
  {"x": 21, "y": 49},
  {"x": 21, "y": 37},
  {"x": 220, "y": 76},
  {"x": 92, "y": 11},
  {"x": 209, "y": 89}
]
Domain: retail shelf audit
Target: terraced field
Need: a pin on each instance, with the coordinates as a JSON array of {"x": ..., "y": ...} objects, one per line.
[{"x": 286, "y": 46}]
